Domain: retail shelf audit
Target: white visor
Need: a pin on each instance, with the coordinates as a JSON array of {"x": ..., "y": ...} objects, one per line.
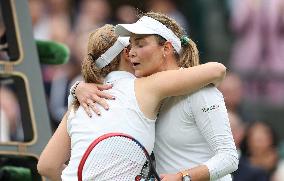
[
  {"x": 149, "y": 26},
  {"x": 112, "y": 52}
]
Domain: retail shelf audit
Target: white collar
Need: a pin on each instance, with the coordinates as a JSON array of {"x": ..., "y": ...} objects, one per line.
[{"x": 116, "y": 75}]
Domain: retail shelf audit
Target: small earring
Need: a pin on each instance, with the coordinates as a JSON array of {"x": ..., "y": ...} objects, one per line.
[{"x": 164, "y": 55}]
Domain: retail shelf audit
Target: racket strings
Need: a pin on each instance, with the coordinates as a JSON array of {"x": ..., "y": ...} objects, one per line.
[{"x": 116, "y": 158}]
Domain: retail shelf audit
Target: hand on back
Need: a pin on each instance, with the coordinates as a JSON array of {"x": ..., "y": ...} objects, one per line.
[{"x": 89, "y": 93}]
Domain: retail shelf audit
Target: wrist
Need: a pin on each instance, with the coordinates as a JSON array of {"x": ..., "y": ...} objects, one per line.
[
  {"x": 180, "y": 175},
  {"x": 73, "y": 90},
  {"x": 185, "y": 175}
]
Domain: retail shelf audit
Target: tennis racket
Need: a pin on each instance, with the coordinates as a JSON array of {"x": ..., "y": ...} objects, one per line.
[{"x": 116, "y": 156}]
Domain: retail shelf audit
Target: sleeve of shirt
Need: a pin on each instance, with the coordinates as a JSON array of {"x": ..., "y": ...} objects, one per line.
[{"x": 211, "y": 117}]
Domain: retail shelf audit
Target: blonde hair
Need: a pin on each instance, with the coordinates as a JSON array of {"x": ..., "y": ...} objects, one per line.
[
  {"x": 99, "y": 42},
  {"x": 189, "y": 56}
]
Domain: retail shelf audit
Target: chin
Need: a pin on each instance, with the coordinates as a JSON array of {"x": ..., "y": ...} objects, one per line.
[{"x": 138, "y": 74}]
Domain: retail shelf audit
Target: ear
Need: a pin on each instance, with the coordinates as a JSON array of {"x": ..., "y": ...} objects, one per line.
[
  {"x": 168, "y": 48},
  {"x": 125, "y": 53}
]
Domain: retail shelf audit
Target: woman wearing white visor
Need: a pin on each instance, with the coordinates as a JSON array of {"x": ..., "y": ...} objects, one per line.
[
  {"x": 107, "y": 62},
  {"x": 193, "y": 136}
]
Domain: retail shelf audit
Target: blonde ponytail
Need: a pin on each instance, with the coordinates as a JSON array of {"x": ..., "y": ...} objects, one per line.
[
  {"x": 99, "y": 42},
  {"x": 190, "y": 55}
]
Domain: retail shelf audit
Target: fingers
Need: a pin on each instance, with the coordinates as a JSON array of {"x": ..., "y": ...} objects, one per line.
[
  {"x": 94, "y": 107},
  {"x": 87, "y": 109},
  {"x": 102, "y": 102},
  {"x": 90, "y": 105},
  {"x": 105, "y": 95},
  {"x": 104, "y": 86}
]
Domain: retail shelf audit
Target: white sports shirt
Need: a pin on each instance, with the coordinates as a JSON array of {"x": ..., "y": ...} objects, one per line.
[
  {"x": 193, "y": 130},
  {"x": 124, "y": 116}
]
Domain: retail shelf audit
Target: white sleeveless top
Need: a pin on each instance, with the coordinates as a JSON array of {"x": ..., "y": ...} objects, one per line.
[{"x": 124, "y": 116}]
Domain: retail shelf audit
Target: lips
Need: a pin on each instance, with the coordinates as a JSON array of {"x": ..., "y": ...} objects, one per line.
[{"x": 134, "y": 64}]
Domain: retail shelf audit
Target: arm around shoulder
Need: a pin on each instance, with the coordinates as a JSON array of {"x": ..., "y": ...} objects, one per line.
[
  {"x": 175, "y": 82},
  {"x": 218, "y": 72},
  {"x": 183, "y": 81}
]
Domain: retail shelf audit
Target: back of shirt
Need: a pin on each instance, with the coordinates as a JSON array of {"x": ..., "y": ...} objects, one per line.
[{"x": 124, "y": 116}]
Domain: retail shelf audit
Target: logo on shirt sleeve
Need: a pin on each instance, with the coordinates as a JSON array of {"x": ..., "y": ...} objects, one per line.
[{"x": 207, "y": 109}]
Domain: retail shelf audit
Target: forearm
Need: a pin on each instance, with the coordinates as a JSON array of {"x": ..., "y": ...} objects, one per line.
[
  {"x": 198, "y": 173},
  {"x": 215, "y": 168},
  {"x": 54, "y": 174},
  {"x": 218, "y": 74},
  {"x": 56, "y": 153}
]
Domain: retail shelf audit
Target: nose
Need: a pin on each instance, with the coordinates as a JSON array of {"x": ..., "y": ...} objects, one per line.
[{"x": 132, "y": 53}]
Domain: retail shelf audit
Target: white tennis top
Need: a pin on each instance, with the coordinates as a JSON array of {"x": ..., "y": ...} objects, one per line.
[
  {"x": 124, "y": 116},
  {"x": 193, "y": 130}
]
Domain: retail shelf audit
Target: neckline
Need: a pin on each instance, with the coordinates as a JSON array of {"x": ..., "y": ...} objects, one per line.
[{"x": 116, "y": 75}]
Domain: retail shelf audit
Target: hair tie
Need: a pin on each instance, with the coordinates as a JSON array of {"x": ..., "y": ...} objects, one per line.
[{"x": 184, "y": 40}]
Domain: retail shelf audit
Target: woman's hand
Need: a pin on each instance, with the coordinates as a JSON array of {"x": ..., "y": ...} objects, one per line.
[
  {"x": 171, "y": 177},
  {"x": 90, "y": 93}
]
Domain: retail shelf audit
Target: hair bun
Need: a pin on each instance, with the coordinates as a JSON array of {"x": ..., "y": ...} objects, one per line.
[{"x": 184, "y": 40}]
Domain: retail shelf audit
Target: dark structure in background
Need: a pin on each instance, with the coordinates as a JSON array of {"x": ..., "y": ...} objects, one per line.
[{"x": 20, "y": 75}]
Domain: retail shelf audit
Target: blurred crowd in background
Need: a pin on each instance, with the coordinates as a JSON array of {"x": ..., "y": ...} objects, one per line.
[{"x": 245, "y": 35}]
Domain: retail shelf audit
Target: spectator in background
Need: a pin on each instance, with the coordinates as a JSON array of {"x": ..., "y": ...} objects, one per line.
[
  {"x": 40, "y": 23},
  {"x": 9, "y": 105},
  {"x": 246, "y": 171},
  {"x": 66, "y": 76},
  {"x": 91, "y": 15},
  {"x": 59, "y": 18},
  {"x": 125, "y": 14},
  {"x": 259, "y": 48},
  {"x": 169, "y": 8},
  {"x": 60, "y": 86},
  {"x": 51, "y": 21},
  {"x": 4, "y": 127},
  {"x": 238, "y": 129},
  {"x": 260, "y": 146},
  {"x": 232, "y": 89},
  {"x": 3, "y": 53}
]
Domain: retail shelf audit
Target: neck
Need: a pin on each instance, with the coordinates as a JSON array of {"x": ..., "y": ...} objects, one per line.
[
  {"x": 125, "y": 65},
  {"x": 171, "y": 64}
]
